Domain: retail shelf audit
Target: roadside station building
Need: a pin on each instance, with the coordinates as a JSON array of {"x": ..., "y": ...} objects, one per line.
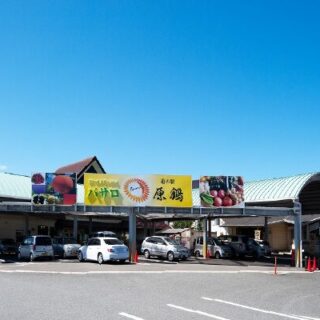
[{"x": 282, "y": 192}]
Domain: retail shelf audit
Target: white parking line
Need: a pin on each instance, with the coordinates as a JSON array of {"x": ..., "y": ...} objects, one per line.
[
  {"x": 259, "y": 310},
  {"x": 147, "y": 271},
  {"x": 209, "y": 315},
  {"x": 306, "y": 318},
  {"x": 130, "y": 316}
]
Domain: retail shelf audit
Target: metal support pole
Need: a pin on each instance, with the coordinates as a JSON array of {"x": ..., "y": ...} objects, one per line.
[
  {"x": 204, "y": 249},
  {"x": 297, "y": 234},
  {"x": 145, "y": 228},
  {"x": 153, "y": 228},
  {"x": 209, "y": 227},
  {"x": 90, "y": 225},
  {"x": 266, "y": 229},
  {"x": 26, "y": 225},
  {"x": 75, "y": 227},
  {"x": 132, "y": 235}
]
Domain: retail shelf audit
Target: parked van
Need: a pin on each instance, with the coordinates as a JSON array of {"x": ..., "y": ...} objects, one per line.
[
  {"x": 244, "y": 246},
  {"x": 215, "y": 247},
  {"x": 34, "y": 247},
  {"x": 163, "y": 247},
  {"x": 237, "y": 243}
]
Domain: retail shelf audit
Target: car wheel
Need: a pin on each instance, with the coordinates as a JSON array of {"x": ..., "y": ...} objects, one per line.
[
  {"x": 170, "y": 256},
  {"x": 147, "y": 254},
  {"x": 100, "y": 258},
  {"x": 31, "y": 258},
  {"x": 217, "y": 255},
  {"x": 80, "y": 256},
  {"x": 197, "y": 254}
]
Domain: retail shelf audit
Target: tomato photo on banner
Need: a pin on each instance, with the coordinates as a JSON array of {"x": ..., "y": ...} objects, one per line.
[
  {"x": 221, "y": 191},
  {"x": 54, "y": 188}
]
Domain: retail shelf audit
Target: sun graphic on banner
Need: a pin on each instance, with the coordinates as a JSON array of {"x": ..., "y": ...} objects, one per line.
[{"x": 136, "y": 190}]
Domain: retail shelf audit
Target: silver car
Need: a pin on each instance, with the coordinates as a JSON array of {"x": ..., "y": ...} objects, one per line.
[
  {"x": 215, "y": 247},
  {"x": 163, "y": 247},
  {"x": 34, "y": 247}
]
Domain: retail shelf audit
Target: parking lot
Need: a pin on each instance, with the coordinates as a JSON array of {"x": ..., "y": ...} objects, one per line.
[{"x": 157, "y": 289}]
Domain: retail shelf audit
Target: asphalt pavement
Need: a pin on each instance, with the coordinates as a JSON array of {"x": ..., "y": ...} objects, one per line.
[{"x": 65, "y": 289}]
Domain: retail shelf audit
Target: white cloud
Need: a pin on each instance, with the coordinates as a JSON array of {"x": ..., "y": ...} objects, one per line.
[{"x": 3, "y": 167}]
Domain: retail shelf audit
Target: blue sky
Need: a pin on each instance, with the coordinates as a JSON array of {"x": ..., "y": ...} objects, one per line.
[{"x": 176, "y": 87}]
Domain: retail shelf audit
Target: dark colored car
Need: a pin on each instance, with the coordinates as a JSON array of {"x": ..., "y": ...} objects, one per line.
[{"x": 8, "y": 247}]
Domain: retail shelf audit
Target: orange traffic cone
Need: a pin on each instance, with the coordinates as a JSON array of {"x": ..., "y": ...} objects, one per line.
[
  {"x": 136, "y": 257},
  {"x": 309, "y": 269},
  {"x": 314, "y": 266},
  {"x": 208, "y": 253}
]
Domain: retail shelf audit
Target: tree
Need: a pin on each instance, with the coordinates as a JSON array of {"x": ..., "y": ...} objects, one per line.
[{"x": 182, "y": 224}]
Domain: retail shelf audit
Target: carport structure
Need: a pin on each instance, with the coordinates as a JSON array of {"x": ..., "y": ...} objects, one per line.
[
  {"x": 157, "y": 214},
  {"x": 290, "y": 196}
]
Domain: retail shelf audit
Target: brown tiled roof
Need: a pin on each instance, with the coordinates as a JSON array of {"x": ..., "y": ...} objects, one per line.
[{"x": 76, "y": 167}]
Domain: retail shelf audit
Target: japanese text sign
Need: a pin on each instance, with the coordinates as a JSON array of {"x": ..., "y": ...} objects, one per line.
[{"x": 149, "y": 190}]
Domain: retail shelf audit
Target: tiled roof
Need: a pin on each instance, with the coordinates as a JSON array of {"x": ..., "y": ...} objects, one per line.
[
  {"x": 259, "y": 221},
  {"x": 76, "y": 167}
]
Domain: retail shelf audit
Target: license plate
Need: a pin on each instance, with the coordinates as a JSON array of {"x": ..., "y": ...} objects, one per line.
[{"x": 44, "y": 254}]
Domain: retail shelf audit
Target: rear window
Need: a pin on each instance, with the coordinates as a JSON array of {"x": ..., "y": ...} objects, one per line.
[
  {"x": 43, "y": 241},
  {"x": 112, "y": 241},
  {"x": 70, "y": 241}
]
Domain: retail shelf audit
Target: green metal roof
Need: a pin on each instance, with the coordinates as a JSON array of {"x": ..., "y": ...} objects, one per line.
[
  {"x": 287, "y": 188},
  {"x": 19, "y": 187},
  {"x": 15, "y": 186}
]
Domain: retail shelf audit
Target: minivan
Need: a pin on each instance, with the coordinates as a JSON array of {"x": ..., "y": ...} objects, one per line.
[
  {"x": 34, "y": 247},
  {"x": 163, "y": 247},
  {"x": 215, "y": 247},
  {"x": 244, "y": 246},
  {"x": 237, "y": 243}
]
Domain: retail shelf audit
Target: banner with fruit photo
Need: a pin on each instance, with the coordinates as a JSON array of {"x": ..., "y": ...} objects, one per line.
[
  {"x": 54, "y": 188},
  {"x": 146, "y": 190},
  {"x": 221, "y": 191}
]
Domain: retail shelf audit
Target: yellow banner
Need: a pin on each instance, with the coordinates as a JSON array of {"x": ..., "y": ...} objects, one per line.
[{"x": 149, "y": 190}]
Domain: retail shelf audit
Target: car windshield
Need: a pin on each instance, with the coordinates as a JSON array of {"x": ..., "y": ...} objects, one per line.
[
  {"x": 7, "y": 242},
  {"x": 69, "y": 241},
  {"x": 171, "y": 241},
  {"x": 217, "y": 242},
  {"x": 112, "y": 241},
  {"x": 43, "y": 241}
]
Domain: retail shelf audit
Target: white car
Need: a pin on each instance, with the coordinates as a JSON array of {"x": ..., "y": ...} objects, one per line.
[{"x": 103, "y": 249}]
